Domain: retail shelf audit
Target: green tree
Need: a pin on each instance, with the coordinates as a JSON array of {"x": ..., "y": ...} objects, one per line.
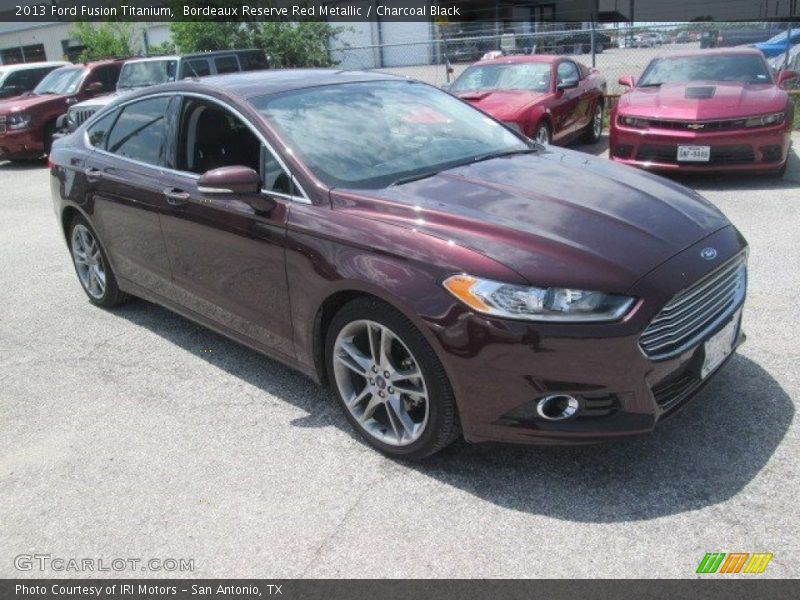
[
  {"x": 107, "y": 39},
  {"x": 295, "y": 44}
]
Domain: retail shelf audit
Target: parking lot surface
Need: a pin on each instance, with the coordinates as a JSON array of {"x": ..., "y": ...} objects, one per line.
[{"x": 134, "y": 433}]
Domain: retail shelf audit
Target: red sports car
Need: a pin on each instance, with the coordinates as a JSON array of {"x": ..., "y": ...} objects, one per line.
[
  {"x": 551, "y": 99},
  {"x": 708, "y": 110}
]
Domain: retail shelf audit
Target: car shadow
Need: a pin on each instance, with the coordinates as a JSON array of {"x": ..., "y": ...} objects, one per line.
[
  {"x": 599, "y": 148},
  {"x": 22, "y": 165},
  {"x": 702, "y": 456}
]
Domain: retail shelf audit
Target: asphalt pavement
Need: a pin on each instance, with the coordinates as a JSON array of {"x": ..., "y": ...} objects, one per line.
[{"x": 135, "y": 433}]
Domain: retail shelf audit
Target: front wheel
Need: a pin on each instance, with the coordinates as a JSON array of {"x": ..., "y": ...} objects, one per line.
[{"x": 389, "y": 382}]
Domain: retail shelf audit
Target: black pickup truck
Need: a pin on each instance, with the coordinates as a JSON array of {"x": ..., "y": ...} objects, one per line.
[{"x": 752, "y": 34}]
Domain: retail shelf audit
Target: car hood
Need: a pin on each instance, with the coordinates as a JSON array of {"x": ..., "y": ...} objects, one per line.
[
  {"x": 23, "y": 103},
  {"x": 703, "y": 100},
  {"x": 558, "y": 217},
  {"x": 502, "y": 104}
]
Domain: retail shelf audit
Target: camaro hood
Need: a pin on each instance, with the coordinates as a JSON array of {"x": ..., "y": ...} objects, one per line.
[
  {"x": 558, "y": 217},
  {"x": 502, "y": 104},
  {"x": 23, "y": 103},
  {"x": 703, "y": 100}
]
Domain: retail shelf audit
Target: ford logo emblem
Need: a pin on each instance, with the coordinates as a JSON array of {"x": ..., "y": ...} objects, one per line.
[{"x": 709, "y": 253}]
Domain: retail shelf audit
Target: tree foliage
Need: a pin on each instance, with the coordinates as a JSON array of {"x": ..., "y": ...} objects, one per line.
[
  {"x": 107, "y": 39},
  {"x": 288, "y": 44}
]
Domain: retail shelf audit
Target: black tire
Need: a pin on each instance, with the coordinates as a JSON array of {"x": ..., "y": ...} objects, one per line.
[
  {"x": 442, "y": 426},
  {"x": 47, "y": 137},
  {"x": 112, "y": 295},
  {"x": 590, "y": 134}
]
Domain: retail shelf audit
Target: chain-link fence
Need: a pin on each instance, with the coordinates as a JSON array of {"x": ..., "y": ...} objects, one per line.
[{"x": 615, "y": 50}]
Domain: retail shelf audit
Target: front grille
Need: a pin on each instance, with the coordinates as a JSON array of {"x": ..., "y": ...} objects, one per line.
[
  {"x": 720, "y": 155},
  {"x": 81, "y": 115},
  {"x": 696, "y": 311},
  {"x": 699, "y": 126}
]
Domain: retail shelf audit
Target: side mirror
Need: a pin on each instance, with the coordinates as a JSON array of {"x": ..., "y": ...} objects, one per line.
[
  {"x": 229, "y": 180},
  {"x": 785, "y": 76},
  {"x": 626, "y": 81},
  {"x": 95, "y": 87},
  {"x": 566, "y": 84}
]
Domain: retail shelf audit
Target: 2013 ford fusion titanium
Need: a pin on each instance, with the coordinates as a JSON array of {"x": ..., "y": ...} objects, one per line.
[{"x": 443, "y": 273}]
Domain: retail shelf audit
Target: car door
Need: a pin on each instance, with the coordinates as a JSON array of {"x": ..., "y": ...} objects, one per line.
[
  {"x": 124, "y": 176},
  {"x": 567, "y": 101},
  {"x": 227, "y": 251}
]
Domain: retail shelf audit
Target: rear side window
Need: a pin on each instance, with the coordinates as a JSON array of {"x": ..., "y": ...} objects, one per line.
[
  {"x": 226, "y": 64},
  {"x": 107, "y": 75},
  {"x": 98, "y": 132},
  {"x": 198, "y": 67},
  {"x": 567, "y": 70},
  {"x": 140, "y": 132},
  {"x": 253, "y": 61}
]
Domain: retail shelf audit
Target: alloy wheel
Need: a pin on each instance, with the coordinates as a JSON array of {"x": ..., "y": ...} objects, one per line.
[
  {"x": 597, "y": 122},
  {"x": 542, "y": 135},
  {"x": 88, "y": 261},
  {"x": 381, "y": 382}
]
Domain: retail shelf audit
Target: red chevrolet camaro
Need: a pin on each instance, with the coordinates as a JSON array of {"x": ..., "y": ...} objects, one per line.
[
  {"x": 708, "y": 110},
  {"x": 552, "y": 99}
]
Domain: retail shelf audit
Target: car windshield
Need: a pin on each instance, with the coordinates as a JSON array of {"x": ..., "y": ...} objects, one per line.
[
  {"x": 60, "y": 82},
  {"x": 528, "y": 76},
  {"x": 371, "y": 135},
  {"x": 143, "y": 74},
  {"x": 746, "y": 68}
]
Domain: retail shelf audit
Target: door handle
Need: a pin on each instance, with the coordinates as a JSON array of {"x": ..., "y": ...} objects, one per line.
[
  {"x": 92, "y": 174},
  {"x": 176, "y": 197}
]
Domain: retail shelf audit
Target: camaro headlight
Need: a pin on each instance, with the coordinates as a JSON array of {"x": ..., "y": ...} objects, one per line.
[
  {"x": 537, "y": 304},
  {"x": 633, "y": 122},
  {"x": 765, "y": 120},
  {"x": 18, "y": 121}
]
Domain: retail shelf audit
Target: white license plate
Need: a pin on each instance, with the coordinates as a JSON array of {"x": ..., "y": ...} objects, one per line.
[
  {"x": 719, "y": 347},
  {"x": 694, "y": 153}
]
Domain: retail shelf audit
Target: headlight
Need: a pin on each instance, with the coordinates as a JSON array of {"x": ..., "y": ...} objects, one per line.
[
  {"x": 513, "y": 125},
  {"x": 633, "y": 122},
  {"x": 536, "y": 304},
  {"x": 765, "y": 120},
  {"x": 18, "y": 121}
]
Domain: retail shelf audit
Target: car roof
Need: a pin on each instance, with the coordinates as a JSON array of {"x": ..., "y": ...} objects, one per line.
[
  {"x": 514, "y": 59},
  {"x": 248, "y": 84},
  {"x": 192, "y": 55},
  {"x": 739, "y": 51},
  {"x": 32, "y": 65}
]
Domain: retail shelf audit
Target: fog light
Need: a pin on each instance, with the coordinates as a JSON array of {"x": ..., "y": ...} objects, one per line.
[
  {"x": 623, "y": 150},
  {"x": 557, "y": 407},
  {"x": 772, "y": 153}
]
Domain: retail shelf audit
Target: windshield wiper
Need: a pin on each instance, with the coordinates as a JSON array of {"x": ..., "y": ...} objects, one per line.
[
  {"x": 410, "y": 178},
  {"x": 653, "y": 84},
  {"x": 501, "y": 154}
]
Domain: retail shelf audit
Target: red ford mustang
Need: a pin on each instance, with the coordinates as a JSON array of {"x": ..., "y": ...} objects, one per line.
[
  {"x": 548, "y": 98},
  {"x": 712, "y": 110}
]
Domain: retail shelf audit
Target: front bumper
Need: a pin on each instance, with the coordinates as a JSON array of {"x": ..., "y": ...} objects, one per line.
[
  {"x": 500, "y": 369},
  {"x": 750, "y": 150},
  {"x": 25, "y": 143}
]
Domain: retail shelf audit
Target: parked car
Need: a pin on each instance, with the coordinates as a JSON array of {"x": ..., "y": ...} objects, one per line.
[
  {"x": 550, "y": 99},
  {"x": 751, "y": 34},
  {"x": 16, "y": 80},
  {"x": 683, "y": 37},
  {"x": 709, "y": 38},
  {"x": 580, "y": 40},
  {"x": 144, "y": 72},
  {"x": 439, "y": 270},
  {"x": 780, "y": 62},
  {"x": 779, "y": 44},
  {"x": 715, "y": 110},
  {"x": 648, "y": 39},
  {"x": 28, "y": 123}
]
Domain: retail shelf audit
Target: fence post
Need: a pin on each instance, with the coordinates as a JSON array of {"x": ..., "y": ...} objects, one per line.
[
  {"x": 788, "y": 45},
  {"x": 594, "y": 51}
]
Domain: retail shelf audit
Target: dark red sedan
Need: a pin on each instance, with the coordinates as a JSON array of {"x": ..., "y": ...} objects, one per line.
[
  {"x": 441, "y": 272},
  {"x": 712, "y": 110},
  {"x": 551, "y": 99}
]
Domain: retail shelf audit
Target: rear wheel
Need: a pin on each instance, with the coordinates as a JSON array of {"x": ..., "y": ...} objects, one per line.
[
  {"x": 595, "y": 127},
  {"x": 92, "y": 266},
  {"x": 542, "y": 134},
  {"x": 389, "y": 382}
]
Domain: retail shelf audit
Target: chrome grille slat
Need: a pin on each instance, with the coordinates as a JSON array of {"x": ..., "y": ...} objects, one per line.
[
  {"x": 718, "y": 297},
  {"x": 80, "y": 116},
  {"x": 694, "y": 312}
]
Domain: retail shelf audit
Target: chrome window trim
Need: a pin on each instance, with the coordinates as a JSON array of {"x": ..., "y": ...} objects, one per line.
[{"x": 303, "y": 198}]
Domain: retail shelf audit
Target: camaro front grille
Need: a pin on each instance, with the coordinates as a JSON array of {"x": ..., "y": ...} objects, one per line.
[
  {"x": 696, "y": 311},
  {"x": 699, "y": 126},
  {"x": 720, "y": 155},
  {"x": 79, "y": 117}
]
